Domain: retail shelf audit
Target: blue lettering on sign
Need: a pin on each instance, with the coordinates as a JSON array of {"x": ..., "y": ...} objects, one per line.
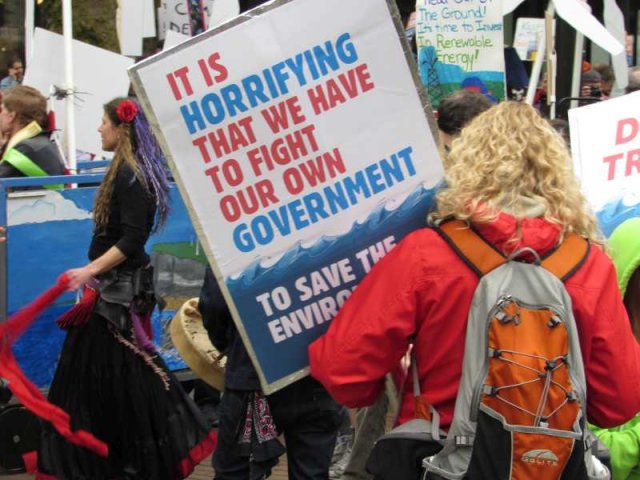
[
  {"x": 271, "y": 83},
  {"x": 331, "y": 200}
]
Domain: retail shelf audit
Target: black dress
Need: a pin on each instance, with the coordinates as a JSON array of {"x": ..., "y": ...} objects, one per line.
[{"x": 110, "y": 384}]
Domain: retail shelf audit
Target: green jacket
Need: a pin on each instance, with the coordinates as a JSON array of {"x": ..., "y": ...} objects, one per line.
[{"x": 624, "y": 441}]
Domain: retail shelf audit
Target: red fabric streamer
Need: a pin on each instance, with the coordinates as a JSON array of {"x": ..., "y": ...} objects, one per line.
[
  {"x": 198, "y": 454},
  {"x": 23, "y": 389},
  {"x": 81, "y": 312}
]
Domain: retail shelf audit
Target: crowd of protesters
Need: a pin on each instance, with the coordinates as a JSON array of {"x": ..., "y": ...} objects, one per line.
[{"x": 508, "y": 175}]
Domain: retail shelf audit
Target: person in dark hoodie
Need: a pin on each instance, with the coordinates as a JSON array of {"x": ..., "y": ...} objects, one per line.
[{"x": 303, "y": 412}]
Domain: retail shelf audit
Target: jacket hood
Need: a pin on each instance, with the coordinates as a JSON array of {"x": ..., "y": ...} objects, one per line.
[
  {"x": 624, "y": 248},
  {"x": 533, "y": 232}
]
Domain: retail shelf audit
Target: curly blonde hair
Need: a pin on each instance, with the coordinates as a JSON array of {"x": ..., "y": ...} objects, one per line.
[{"x": 507, "y": 153}]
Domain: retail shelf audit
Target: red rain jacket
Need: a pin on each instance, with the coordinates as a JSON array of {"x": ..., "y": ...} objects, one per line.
[{"x": 422, "y": 289}]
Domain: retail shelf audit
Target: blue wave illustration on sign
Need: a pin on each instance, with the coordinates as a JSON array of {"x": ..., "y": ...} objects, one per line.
[
  {"x": 307, "y": 317},
  {"x": 616, "y": 212}
]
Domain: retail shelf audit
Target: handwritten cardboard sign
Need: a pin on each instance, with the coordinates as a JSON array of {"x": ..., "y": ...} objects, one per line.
[{"x": 460, "y": 45}]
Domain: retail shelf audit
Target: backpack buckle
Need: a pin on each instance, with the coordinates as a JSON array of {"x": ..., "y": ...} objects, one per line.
[
  {"x": 464, "y": 440},
  {"x": 554, "y": 321}
]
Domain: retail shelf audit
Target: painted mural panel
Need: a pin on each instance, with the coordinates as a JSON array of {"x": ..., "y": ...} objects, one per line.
[{"x": 50, "y": 231}]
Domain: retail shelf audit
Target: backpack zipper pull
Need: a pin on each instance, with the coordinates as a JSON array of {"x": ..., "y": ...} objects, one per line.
[{"x": 554, "y": 321}]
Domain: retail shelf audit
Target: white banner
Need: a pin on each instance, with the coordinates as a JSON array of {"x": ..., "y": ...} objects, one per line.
[
  {"x": 149, "y": 21},
  {"x": 300, "y": 140},
  {"x": 605, "y": 140},
  {"x": 130, "y": 21}
]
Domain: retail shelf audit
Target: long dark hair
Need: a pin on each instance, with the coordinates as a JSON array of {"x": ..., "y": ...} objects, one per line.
[{"x": 137, "y": 148}]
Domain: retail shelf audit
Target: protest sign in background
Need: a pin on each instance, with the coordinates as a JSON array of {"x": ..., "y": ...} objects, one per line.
[
  {"x": 303, "y": 145},
  {"x": 460, "y": 45},
  {"x": 188, "y": 17},
  {"x": 605, "y": 143},
  {"x": 529, "y": 32},
  {"x": 192, "y": 17},
  {"x": 99, "y": 76}
]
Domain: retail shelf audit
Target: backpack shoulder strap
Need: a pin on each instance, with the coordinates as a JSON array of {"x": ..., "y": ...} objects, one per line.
[
  {"x": 475, "y": 251},
  {"x": 568, "y": 257},
  {"x": 482, "y": 257}
]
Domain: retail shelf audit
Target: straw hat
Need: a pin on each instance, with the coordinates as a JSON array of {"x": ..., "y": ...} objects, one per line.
[{"x": 192, "y": 342}]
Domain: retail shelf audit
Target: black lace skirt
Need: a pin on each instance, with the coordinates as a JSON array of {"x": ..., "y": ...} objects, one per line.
[{"x": 127, "y": 398}]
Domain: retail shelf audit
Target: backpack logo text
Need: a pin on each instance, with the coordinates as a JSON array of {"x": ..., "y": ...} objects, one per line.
[{"x": 540, "y": 457}]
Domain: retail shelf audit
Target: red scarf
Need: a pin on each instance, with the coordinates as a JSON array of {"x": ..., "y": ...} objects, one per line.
[{"x": 24, "y": 390}]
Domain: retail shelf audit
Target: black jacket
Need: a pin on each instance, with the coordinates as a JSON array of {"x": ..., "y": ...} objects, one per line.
[
  {"x": 239, "y": 371},
  {"x": 41, "y": 151}
]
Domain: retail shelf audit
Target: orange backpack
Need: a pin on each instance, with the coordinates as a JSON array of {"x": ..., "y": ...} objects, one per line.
[{"x": 520, "y": 410}]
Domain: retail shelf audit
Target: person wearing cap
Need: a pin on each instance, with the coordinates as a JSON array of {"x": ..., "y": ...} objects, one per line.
[
  {"x": 591, "y": 85},
  {"x": 624, "y": 441}
]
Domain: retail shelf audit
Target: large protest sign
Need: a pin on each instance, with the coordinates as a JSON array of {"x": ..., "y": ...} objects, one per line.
[
  {"x": 460, "y": 45},
  {"x": 302, "y": 143},
  {"x": 605, "y": 141}
]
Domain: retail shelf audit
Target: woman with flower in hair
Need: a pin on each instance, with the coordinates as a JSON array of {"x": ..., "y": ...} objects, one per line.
[{"x": 109, "y": 378}]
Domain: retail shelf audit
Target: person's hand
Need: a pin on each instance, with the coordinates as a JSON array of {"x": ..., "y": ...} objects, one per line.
[
  {"x": 2, "y": 236},
  {"x": 78, "y": 277}
]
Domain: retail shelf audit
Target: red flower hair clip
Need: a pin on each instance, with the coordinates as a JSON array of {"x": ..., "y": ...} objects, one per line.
[{"x": 126, "y": 111}]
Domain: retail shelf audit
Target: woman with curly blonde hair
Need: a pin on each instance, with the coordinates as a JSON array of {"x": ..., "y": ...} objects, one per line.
[
  {"x": 510, "y": 160},
  {"x": 510, "y": 181}
]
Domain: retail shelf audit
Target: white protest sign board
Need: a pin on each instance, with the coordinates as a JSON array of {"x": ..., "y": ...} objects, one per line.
[
  {"x": 300, "y": 143},
  {"x": 579, "y": 16},
  {"x": 99, "y": 75},
  {"x": 173, "y": 38},
  {"x": 181, "y": 15},
  {"x": 461, "y": 46},
  {"x": 221, "y": 11},
  {"x": 529, "y": 32},
  {"x": 614, "y": 22},
  {"x": 605, "y": 141},
  {"x": 130, "y": 22},
  {"x": 149, "y": 19}
]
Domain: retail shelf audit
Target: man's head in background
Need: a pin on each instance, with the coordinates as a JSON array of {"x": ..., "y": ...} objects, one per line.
[
  {"x": 15, "y": 69},
  {"x": 607, "y": 78},
  {"x": 634, "y": 80},
  {"x": 456, "y": 111},
  {"x": 591, "y": 84}
]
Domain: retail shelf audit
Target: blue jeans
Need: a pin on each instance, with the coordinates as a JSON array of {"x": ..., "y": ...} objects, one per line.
[{"x": 303, "y": 412}]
